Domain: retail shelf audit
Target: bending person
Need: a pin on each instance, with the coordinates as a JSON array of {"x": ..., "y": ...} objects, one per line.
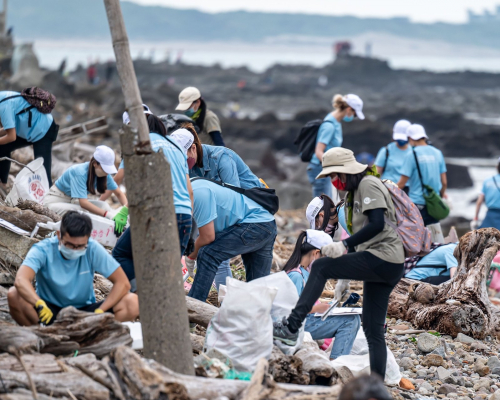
[
  {"x": 439, "y": 266},
  {"x": 491, "y": 196},
  {"x": 64, "y": 268},
  {"x": 376, "y": 254},
  {"x": 322, "y": 215},
  {"x": 343, "y": 327}
]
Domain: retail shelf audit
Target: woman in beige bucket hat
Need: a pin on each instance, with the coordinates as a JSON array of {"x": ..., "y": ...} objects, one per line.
[{"x": 375, "y": 256}]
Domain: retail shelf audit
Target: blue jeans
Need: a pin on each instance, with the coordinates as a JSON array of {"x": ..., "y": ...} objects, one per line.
[
  {"x": 254, "y": 241},
  {"x": 122, "y": 251},
  {"x": 222, "y": 273},
  {"x": 344, "y": 328},
  {"x": 319, "y": 186}
]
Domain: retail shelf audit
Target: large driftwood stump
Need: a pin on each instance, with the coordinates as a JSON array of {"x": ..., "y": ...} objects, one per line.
[{"x": 460, "y": 305}]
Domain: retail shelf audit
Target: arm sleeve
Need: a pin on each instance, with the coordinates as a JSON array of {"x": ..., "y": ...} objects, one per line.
[
  {"x": 7, "y": 115},
  {"x": 374, "y": 226},
  {"x": 103, "y": 262},
  {"x": 205, "y": 209},
  {"x": 111, "y": 184},
  {"x": 122, "y": 165},
  {"x": 35, "y": 259},
  {"x": 297, "y": 280},
  {"x": 408, "y": 166},
  {"x": 381, "y": 156},
  {"x": 325, "y": 133},
  {"x": 450, "y": 259},
  {"x": 78, "y": 186},
  {"x": 484, "y": 186},
  {"x": 442, "y": 164},
  {"x": 217, "y": 138},
  {"x": 228, "y": 171}
]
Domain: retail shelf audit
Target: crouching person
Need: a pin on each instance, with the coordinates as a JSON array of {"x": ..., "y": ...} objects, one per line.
[
  {"x": 230, "y": 224},
  {"x": 64, "y": 268}
]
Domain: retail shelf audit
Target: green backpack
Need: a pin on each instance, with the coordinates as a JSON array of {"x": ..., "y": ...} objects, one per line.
[{"x": 436, "y": 207}]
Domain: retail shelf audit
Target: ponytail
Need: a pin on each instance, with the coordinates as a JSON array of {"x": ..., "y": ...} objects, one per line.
[
  {"x": 102, "y": 182},
  {"x": 328, "y": 205},
  {"x": 301, "y": 249}
]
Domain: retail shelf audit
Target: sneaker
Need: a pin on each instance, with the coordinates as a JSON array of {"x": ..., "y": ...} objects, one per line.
[{"x": 283, "y": 334}]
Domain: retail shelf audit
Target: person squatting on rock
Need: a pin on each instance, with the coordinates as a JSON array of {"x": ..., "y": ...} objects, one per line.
[
  {"x": 375, "y": 256},
  {"x": 72, "y": 189},
  {"x": 390, "y": 158},
  {"x": 23, "y": 125},
  {"x": 345, "y": 108},
  {"x": 222, "y": 165},
  {"x": 490, "y": 195},
  {"x": 64, "y": 268},
  {"x": 194, "y": 106},
  {"x": 230, "y": 224},
  {"x": 174, "y": 148},
  {"x": 343, "y": 327}
]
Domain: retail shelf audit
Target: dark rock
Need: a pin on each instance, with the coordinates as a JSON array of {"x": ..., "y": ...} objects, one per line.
[{"x": 447, "y": 388}]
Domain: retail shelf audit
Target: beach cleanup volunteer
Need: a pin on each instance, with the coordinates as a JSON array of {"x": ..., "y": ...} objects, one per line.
[{"x": 491, "y": 196}]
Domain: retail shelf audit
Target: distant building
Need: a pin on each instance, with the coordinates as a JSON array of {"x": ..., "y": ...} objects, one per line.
[{"x": 485, "y": 17}]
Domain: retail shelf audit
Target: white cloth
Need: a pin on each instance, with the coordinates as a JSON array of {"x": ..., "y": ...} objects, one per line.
[{"x": 58, "y": 202}]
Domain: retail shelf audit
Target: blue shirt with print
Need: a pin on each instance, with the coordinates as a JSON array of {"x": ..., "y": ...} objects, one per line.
[
  {"x": 329, "y": 133},
  {"x": 443, "y": 255},
  {"x": 299, "y": 279},
  {"x": 432, "y": 165},
  {"x": 392, "y": 165},
  {"x": 40, "y": 123},
  {"x": 68, "y": 282},
  {"x": 491, "y": 191},
  {"x": 224, "y": 165},
  {"x": 73, "y": 182},
  {"x": 224, "y": 206}
]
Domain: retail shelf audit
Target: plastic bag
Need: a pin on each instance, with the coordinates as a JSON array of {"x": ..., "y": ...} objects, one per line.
[
  {"x": 242, "y": 329},
  {"x": 30, "y": 184}
]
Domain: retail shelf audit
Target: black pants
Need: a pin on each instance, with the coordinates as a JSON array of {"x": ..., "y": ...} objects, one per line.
[
  {"x": 379, "y": 278},
  {"x": 428, "y": 220},
  {"x": 436, "y": 280},
  {"x": 41, "y": 148}
]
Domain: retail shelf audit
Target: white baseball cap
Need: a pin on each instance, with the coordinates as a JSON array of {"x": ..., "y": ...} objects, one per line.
[
  {"x": 184, "y": 138},
  {"x": 106, "y": 158},
  {"x": 400, "y": 129},
  {"x": 312, "y": 210},
  {"x": 416, "y": 132},
  {"x": 318, "y": 239},
  {"x": 186, "y": 98},
  {"x": 355, "y": 102},
  {"x": 126, "y": 117}
]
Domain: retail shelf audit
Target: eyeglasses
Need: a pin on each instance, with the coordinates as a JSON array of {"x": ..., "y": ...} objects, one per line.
[{"x": 75, "y": 247}]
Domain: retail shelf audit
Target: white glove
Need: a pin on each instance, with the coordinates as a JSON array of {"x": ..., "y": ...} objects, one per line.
[
  {"x": 341, "y": 286},
  {"x": 334, "y": 250},
  {"x": 190, "y": 265},
  {"x": 111, "y": 214},
  {"x": 474, "y": 224}
]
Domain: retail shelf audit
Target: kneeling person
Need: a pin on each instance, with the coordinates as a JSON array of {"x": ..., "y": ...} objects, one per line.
[
  {"x": 64, "y": 268},
  {"x": 230, "y": 224},
  {"x": 439, "y": 266}
]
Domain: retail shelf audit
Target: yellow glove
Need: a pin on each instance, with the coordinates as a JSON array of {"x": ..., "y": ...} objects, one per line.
[
  {"x": 98, "y": 311},
  {"x": 44, "y": 313}
]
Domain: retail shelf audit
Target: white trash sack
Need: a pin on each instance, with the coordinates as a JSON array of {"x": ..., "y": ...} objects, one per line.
[
  {"x": 242, "y": 329},
  {"x": 30, "y": 184},
  {"x": 358, "y": 361}
]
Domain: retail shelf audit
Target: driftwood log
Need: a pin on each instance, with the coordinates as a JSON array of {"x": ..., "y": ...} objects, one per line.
[
  {"x": 24, "y": 219},
  {"x": 460, "y": 305},
  {"x": 13, "y": 250},
  {"x": 287, "y": 369},
  {"x": 315, "y": 362},
  {"x": 38, "y": 209},
  {"x": 199, "y": 312}
]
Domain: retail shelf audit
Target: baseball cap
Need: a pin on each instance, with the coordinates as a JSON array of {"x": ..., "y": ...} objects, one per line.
[
  {"x": 340, "y": 160},
  {"x": 355, "y": 102},
  {"x": 186, "y": 98},
  {"x": 416, "y": 132},
  {"x": 312, "y": 210},
  {"x": 184, "y": 138},
  {"x": 318, "y": 239},
  {"x": 126, "y": 117},
  {"x": 400, "y": 129},
  {"x": 106, "y": 158}
]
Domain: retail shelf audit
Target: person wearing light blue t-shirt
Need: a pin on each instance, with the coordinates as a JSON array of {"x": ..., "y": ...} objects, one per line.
[
  {"x": 345, "y": 108},
  {"x": 230, "y": 224},
  {"x": 24, "y": 126},
  {"x": 432, "y": 168},
  {"x": 64, "y": 268},
  {"x": 439, "y": 266},
  {"x": 390, "y": 158},
  {"x": 490, "y": 195}
]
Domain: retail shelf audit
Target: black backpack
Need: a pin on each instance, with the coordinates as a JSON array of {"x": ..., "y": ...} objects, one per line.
[
  {"x": 306, "y": 140},
  {"x": 266, "y": 198},
  {"x": 174, "y": 121}
]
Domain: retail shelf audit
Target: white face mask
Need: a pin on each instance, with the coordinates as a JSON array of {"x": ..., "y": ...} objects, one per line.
[{"x": 71, "y": 254}]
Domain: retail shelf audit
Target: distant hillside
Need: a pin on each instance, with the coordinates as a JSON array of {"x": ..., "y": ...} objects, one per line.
[{"x": 86, "y": 19}]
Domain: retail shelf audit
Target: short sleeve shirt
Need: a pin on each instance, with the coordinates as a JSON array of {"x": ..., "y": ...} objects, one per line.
[
  {"x": 392, "y": 165},
  {"x": 299, "y": 279},
  {"x": 73, "y": 182},
  {"x": 68, "y": 282},
  {"x": 491, "y": 191},
  {"x": 40, "y": 123},
  {"x": 372, "y": 194},
  {"x": 329, "y": 133},
  {"x": 442, "y": 256},
  {"x": 210, "y": 124}
]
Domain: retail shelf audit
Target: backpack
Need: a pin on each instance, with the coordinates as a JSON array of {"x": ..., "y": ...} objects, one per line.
[
  {"x": 306, "y": 139},
  {"x": 40, "y": 99},
  {"x": 266, "y": 198},
  {"x": 174, "y": 121},
  {"x": 410, "y": 227}
]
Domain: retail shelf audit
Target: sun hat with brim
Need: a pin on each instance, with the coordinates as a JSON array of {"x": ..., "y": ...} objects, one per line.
[
  {"x": 187, "y": 97},
  {"x": 312, "y": 210},
  {"x": 400, "y": 129},
  {"x": 341, "y": 161},
  {"x": 416, "y": 132},
  {"x": 106, "y": 159}
]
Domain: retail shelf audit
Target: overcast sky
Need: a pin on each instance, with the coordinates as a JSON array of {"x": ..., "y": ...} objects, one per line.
[{"x": 416, "y": 10}]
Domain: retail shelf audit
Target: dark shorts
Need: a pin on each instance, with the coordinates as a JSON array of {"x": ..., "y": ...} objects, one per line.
[{"x": 88, "y": 308}]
